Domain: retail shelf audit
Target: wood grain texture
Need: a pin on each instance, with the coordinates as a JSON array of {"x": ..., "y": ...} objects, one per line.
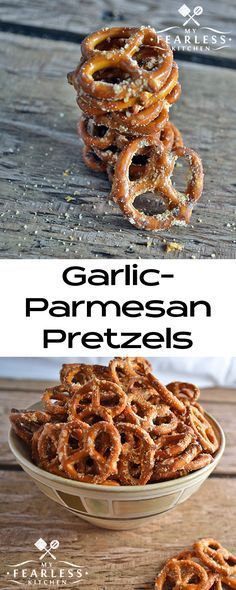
[
  {"x": 219, "y": 403},
  {"x": 114, "y": 560},
  {"x": 41, "y": 164},
  {"x": 83, "y": 16}
]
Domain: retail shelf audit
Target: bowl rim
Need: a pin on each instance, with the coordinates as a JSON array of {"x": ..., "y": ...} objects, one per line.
[{"x": 30, "y": 466}]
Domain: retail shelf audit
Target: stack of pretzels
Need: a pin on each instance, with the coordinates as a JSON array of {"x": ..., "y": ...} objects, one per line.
[
  {"x": 117, "y": 425},
  {"x": 126, "y": 83}
]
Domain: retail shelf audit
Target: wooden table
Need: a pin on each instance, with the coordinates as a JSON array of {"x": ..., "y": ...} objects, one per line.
[
  {"x": 114, "y": 560},
  {"x": 51, "y": 204}
]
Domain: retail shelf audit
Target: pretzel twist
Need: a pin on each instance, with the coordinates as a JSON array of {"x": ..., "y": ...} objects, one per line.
[
  {"x": 134, "y": 75},
  {"x": 26, "y": 422},
  {"x": 123, "y": 370},
  {"x": 216, "y": 557},
  {"x": 55, "y": 401},
  {"x": 137, "y": 455},
  {"x": 187, "y": 392},
  {"x": 178, "y": 573},
  {"x": 203, "y": 429},
  {"x": 169, "y": 468},
  {"x": 96, "y": 398},
  {"x": 157, "y": 178},
  {"x": 156, "y": 420},
  {"x": 77, "y": 374},
  {"x": 172, "y": 445},
  {"x": 90, "y": 463},
  {"x": 47, "y": 444}
]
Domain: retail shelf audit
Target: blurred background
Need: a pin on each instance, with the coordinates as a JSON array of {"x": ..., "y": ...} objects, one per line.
[{"x": 205, "y": 372}]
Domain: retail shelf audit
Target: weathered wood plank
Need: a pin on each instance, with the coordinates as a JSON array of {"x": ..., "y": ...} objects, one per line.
[
  {"x": 39, "y": 143},
  {"x": 220, "y": 403},
  {"x": 82, "y": 17},
  {"x": 113, "y": 559},
  {"x": 17, "y": 386}
]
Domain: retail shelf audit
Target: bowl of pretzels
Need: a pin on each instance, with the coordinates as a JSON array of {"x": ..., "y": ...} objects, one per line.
[{"x": 114, "y": 445}]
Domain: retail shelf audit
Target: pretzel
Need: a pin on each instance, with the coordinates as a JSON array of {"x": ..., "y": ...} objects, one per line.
[
  {"x": 105, "y": 143},
  {"x": 26, "y": 422},
  {"x": 118, "y": 114},
  {"x": 172, "y": 445},
  {"x": 122, "y": 370},
  {"x": 137, "y": 455},
  {"x": 92, "y": 160},
  {"x": 71, "y": 440},
  {"x": 95, "y": 136},
  {"x": 172, "y": 467},
  {"x": 171, "y": 137},
  {"x": 134, "y": 75},
  {"x": 157, "y": 114},
  {"x": 167, "y": 396},
  {"x": 164, "y": 421},
  {"x": 122, "y": 39},
  {"x": 77, "y": 374},
  {"x": 92, "y": 106},
  {"x": 109, "y": 157},
  {"x": 226, "y": 581},
  {"x": 157, "y": 178},
  {"x": 47, "y": 444},
  {"x": 203, "y": 429},
  {"x": 174, "y": 94},
  {"x": 102, "y": 398},
  {"x": 202, "y": 460},
  {"x": 141, "y": 385},
  {"x": 156, "y": 420},
  {"x": 197, "y": 462},
  {"x": 34, "y": 445},
  {"x": 223, "y": 581},
  {"x": 215, "y": 556},
  {"x": 88, "y": 463},
  {"x": 145, "y": 122},
  {"x": 186, "y": 554},
  {"x": 186, "y": 392},
  {"x": 178, "y": 574},
  {"x": 133, "y": 117},
  {"x": 111, "y": 39},
  {"x": 55, "y": 401}
]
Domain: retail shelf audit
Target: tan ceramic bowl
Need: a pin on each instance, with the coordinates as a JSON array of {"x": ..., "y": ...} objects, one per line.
[{"x": 119, "y": 508}]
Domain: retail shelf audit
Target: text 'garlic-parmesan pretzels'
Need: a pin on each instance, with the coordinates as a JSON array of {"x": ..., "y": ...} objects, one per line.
[
  {"x": 126, "y": 83},
  {"x": 119, "y": 425}
]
